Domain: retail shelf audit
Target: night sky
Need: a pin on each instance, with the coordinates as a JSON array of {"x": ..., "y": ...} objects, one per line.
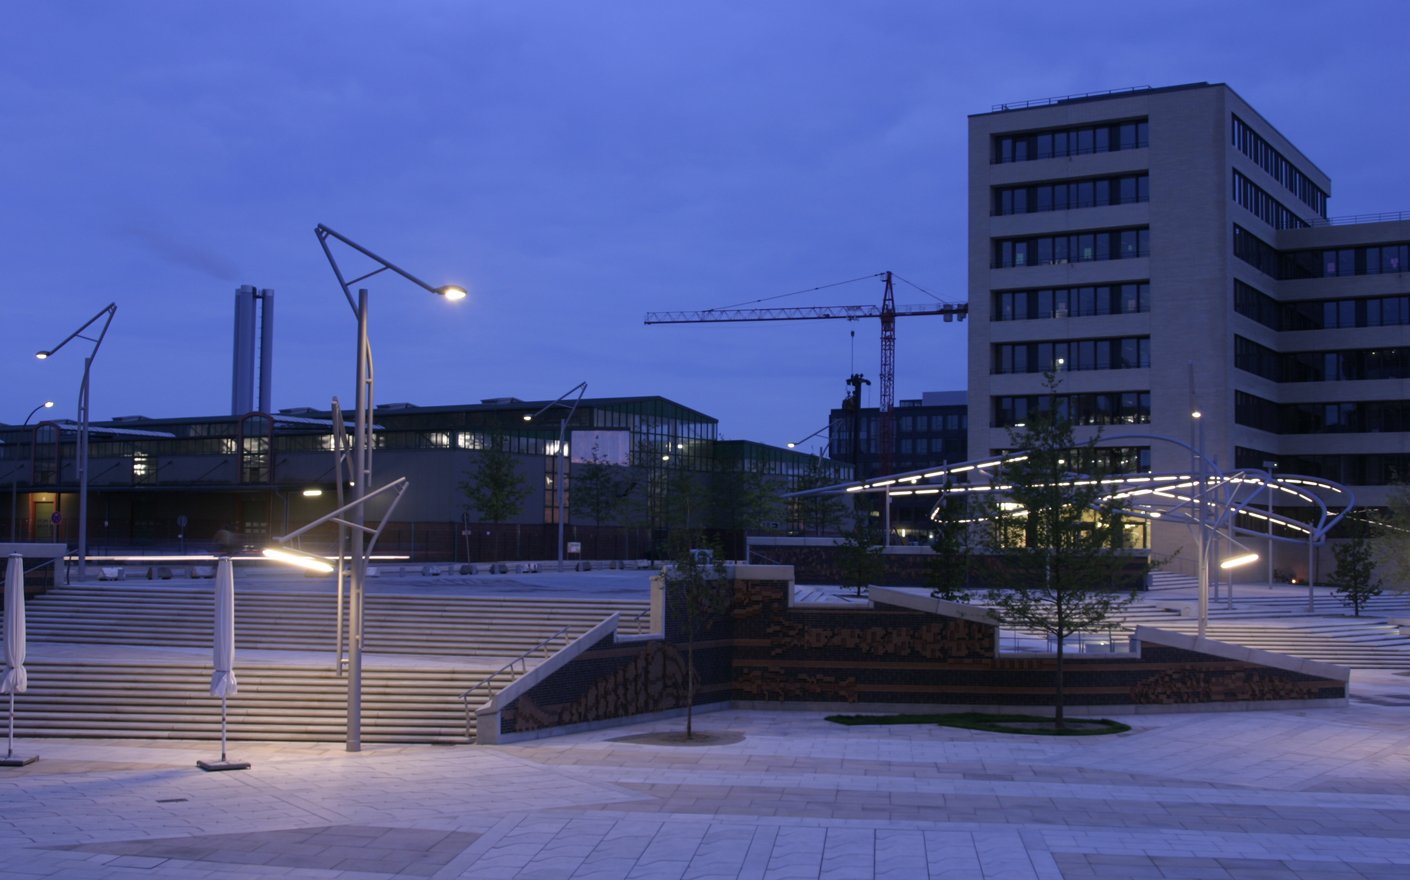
[{"x": 574, "y": 165}]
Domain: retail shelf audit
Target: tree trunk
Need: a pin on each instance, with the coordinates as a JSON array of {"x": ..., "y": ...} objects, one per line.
[{"x": 1057, "y": 715}]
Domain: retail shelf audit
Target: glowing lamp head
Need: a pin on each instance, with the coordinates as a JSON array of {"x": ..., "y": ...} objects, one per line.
[
  {"x": 1196, "y": 414},
  {"x": 791, "y": 445},
  {"x": 665, "y": 458},
  {"x": 48, "y": 404},
  {"x": 309, "y": 562},
  {"x": 528, "y": 418},
  {"x": 312, "y": 493},
  {"x": 1236, "y": 561},
  {"x": 450, "y": 291},
  {"x": 41, "y": 354}
]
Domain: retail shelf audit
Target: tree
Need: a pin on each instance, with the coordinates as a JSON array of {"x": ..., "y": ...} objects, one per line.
[
  {"x": 1393, "y": 538},
  {"x": 596, "y": 491},
  {"x": 1057, "y": 540},
  {"x": 817, "y": 513},
  {"x": 494, "y": 487},
  {"x": 860, "y": 556},
  {"x": 697, "y": 589},
  {"x": 1355, "y": 578},
  {"x": 947, "y": 574}
]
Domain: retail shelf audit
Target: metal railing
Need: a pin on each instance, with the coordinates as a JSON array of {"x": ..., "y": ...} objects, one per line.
[
  {"x": 1044, "y": 102},
  {"x": 522, "y": 661},
  {"x": 1351, "y": 219}
]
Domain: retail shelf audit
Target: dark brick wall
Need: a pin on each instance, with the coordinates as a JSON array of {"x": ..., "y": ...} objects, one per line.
[{"x": 763, "y": 651}]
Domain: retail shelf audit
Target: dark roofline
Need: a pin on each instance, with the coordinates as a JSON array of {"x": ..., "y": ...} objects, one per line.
[{"x": 1089, "y": 97}]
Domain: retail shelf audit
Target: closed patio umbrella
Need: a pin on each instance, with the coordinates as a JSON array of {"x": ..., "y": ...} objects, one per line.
[
  {"x": 14, "y": 681},
  {"x": 223, "y": 682}
]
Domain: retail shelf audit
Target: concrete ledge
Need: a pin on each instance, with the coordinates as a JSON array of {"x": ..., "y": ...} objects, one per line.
[
  {"x": 604, "y": 724},
  {"x": 742, "y": 572},
  {"x": 932, "y": 605},
  {"x": 1240, "y": 653}
]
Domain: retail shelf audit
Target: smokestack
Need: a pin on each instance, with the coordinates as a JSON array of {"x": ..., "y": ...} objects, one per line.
[
  {"x": 266, "y": 351},
  {"x": 242, "y": 381},
  {"x": 252, "y": 307}
]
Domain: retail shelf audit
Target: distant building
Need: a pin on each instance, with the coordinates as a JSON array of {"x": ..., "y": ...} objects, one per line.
[
  {"x": 930, "y": 431},
  {"x": 249, "y": 474}
]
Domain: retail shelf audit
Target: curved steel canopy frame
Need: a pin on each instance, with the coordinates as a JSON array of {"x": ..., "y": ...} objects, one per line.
[{"x": 1169, "y": 497}]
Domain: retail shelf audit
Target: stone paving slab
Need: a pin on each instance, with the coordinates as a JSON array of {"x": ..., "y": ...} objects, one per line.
[{"x": 1307, "y": 795}]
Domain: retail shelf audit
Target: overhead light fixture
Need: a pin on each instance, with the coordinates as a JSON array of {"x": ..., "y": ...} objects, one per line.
[
  {"x": 450, "y": 291},
  {"x": 312, "y": 493},
  {"x": 41, "y": 354},
  {"x": 1196, "y": 414},
  {"x": 48, "y": 404},
  {"x": 791, "y": 445},
  {"x": 1239, "y": 560},
  {"x": 665, "y": 458},
  {"x": 298, "y": 559},
  {"x": 528, "y": 418}
]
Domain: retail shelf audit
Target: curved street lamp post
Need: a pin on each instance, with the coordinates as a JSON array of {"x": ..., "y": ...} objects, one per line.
[
  {"x": 82, "y": 457},
  {"x": 561, "y": 477},
  {"x": 15, "y": 479}
]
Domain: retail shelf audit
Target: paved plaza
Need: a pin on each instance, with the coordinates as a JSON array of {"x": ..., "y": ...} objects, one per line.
[{"x": 1322, "y": 793}]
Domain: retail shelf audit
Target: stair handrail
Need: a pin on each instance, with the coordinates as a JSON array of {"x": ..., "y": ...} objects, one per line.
[{"x": 522, "y": 659}]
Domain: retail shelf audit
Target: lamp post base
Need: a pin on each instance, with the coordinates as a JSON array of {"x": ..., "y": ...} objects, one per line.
[
  {"x": 16, "y": 761},
  {"x": 213, "y": 766}
]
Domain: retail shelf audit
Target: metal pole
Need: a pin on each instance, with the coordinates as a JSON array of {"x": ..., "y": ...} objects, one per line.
[
  {"x": 1268, "y": 466},
  {"x": 1204, "y": 543},
  {"x": 886, "y": 503},
  {"x": 10, "y": 747},
  {"x": 1311, "y": 561},
  {"x": 558, "y": 479},
  {"x": 83, "y": 473},
  {"x": 222, "y": 728},
  {"x": 362, "y": 467}
]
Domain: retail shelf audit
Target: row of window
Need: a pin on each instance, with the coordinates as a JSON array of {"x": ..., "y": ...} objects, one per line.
[
  {"x": 940, "y": 446},
  {"x": 921, "y": 424},
  {"x": 1374, "y": 260},
  {"x": 1321, "y": 366},
  {"x": 1349, "y": 470},
  {"x": 1124, "y": 353},
  {"x": 1071, "y": 141},
  {"x": 1320, "y": 314},
  {"x": 1109, "y": 459},
  {"x": 1065, "y": 195},
  {"x": 1263, "y": 206},
  {"x": 1111, "y": 408},
  {"x": 1342, "y": 417},
  {"x": 1264, "y": 156},
  {"x": 1073, "y": 302},
  {"x": 1085, "y": 247}
]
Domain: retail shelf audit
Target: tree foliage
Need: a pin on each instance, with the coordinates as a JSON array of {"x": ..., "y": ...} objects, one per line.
[
  {"x": 697, "y": 591},
  {"x": 596, "y": 489},
  {"x": 1058, "y": 546},
  {"x": 860, "y": 555},
  {"x": 955, "y": 538},
  {"x": 1355, "y": 578},
  {"x": 818, "y": 513},
  {"x": 745, "y": 496},
  {"x": 1392, "y": 546},
  {"x": 494, "y": 487}
]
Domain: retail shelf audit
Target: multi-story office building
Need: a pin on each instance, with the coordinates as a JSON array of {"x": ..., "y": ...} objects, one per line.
[
  {"x": 930, "y": 431},
  {"x": 1163, "y": 247}
]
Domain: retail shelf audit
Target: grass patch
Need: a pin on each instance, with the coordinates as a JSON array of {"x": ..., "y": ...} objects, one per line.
[{"x": 1027, "y": 724}]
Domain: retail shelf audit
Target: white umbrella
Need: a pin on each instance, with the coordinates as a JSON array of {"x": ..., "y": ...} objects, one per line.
[
  {"x": 223, "y": 682},
  {"x": 15, "y": 680}
]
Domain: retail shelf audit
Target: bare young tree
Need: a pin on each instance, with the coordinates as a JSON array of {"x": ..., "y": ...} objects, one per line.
[
  {"x": 697, "y": 590},
  {"x": 495, "y": 487}
]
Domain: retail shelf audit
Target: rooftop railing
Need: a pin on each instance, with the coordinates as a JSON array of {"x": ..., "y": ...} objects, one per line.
[
  {"x": 1044, "y": 102},
  {"x": 1351, "y": 219}
]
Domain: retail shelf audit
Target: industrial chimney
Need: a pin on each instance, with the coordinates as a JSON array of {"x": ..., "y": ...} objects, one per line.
[{"x": 252, "y": 307}]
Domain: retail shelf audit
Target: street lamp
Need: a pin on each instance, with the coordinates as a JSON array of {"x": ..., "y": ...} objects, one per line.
[
  {"x": 15, "y": 479},
  {"x": 362, "y": 460},
  {"x": 82, "y": 458},
  {"x": 561, "y": 477}
]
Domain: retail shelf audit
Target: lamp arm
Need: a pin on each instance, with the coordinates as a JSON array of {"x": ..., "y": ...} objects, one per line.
[
  {"x": 110, "y": 310},
  {"x": 399, "y": 484},
  {"x": 581, "y": 388},
  {"x": 323, "y": 233}
]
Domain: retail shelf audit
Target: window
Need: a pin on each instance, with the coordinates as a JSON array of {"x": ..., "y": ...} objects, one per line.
[
  {"x": 1066, "y": 195},
  {"x": 1125, "y": 353},
  {"x": 1085, "y": 247},
  {"x": 1110, "y": 408},
  {"x": 1255, "y": 251},
  {"x": 1337, "y": 417},
  {"x": 1253, "y": 411},
  {"x": 907, "y": 423},
  {"x": 1320, "y": 314},
  {"x": 1374, "y": 260},
  {"x": 1350, "y": 470},
  {"x": 1072, "y": 302},
  {"x": 144, "y": 469},
  {"x": 1264, "y": 156},
  {"x": 256, "y": 436},
  {"x": 1322, "y": 366},
  {"x": 1263, "y": 206},
  {"x": 1108, "y": 137}
]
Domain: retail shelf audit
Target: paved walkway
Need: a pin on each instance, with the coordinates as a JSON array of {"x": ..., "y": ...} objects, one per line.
[{"x": 1308, "y": 794}]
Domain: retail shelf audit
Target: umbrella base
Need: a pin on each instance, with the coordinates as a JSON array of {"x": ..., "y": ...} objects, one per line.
[
  {"x": 18, "y": 761},
  {"x": 212, "y": 766}
]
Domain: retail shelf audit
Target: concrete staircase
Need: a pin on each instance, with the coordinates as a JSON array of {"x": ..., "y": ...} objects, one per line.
[{"x": 119, "y": 662}]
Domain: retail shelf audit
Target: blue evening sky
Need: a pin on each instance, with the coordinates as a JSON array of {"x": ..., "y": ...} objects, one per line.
[{"x": 574, "y": 165}]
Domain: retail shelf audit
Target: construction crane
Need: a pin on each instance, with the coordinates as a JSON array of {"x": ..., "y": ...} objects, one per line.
[{"x": 888, "y": 312}]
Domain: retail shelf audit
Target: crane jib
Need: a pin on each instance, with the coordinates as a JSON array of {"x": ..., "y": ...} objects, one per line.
[{"x": 960, "y": 310}]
